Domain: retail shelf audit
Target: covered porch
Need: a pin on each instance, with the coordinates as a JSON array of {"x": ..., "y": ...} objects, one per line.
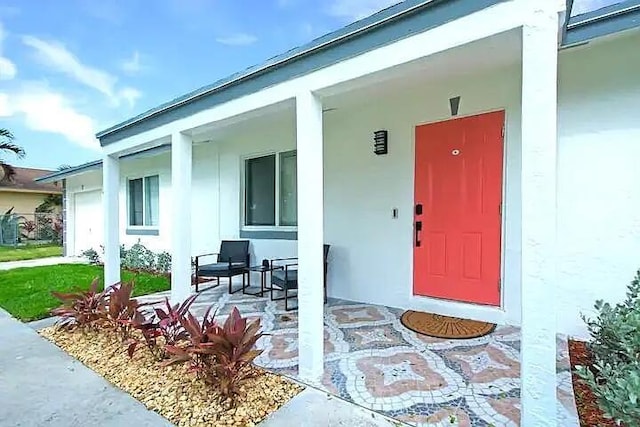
[
  {"x": 363, "y": 207},
  {"x": 372, "y": 360}
]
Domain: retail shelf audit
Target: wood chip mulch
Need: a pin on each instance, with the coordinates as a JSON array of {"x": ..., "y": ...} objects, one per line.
[
  {"x": 172, "y": 391},
  {"x": 588, "y": 411}
]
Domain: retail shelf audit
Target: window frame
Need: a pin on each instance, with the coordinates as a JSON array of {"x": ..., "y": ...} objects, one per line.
[
  {"x": 143, "y": 177},
  {"x": 243, "y": 192}
]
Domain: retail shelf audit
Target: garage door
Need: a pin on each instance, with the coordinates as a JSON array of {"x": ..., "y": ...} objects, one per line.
[{"x": 88, "y": 221}]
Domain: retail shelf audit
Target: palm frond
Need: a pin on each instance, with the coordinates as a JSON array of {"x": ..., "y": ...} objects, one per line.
[
  {"x": 14, "y": 148},
  {"x": 5, "y": 133}
]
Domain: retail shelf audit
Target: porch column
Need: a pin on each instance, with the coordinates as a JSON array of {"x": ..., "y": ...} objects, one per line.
[
  {"x": 310, "y": 237},
  {"x": 539, "y": 139},
  {"x": 111, "y": 208},
  {"x": 181, "y": 160}
]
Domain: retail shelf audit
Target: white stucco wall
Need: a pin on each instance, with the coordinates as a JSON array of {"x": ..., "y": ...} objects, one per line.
[
  {"x": 371, "y": 255},
  {"x": 598, "y": 177}
]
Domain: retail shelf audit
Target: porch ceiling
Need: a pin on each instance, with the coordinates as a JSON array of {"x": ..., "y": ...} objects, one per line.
[{"x": 471, "y": 59}]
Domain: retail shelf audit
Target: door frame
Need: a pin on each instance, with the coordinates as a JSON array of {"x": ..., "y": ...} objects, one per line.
[{"x": 503, "y": 216}]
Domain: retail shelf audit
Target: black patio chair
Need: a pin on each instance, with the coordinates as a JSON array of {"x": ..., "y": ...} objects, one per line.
[
  {"x": 232, "y": 260},
  {"x": 284, "y": 277}
]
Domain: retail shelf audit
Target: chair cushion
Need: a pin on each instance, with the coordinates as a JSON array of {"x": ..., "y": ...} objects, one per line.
[
  {"x": 221, "y": 268},
  {"x": 278, "y": 278}
]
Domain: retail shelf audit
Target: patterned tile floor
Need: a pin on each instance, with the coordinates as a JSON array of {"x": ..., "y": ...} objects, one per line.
[{"x": 374, "y": 361}]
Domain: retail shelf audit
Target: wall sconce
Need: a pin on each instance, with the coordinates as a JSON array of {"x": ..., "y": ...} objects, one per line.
[{"x": 380, "y": 142}]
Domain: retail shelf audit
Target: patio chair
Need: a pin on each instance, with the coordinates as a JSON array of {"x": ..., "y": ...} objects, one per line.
[
  {"x": 284, "y": 277},
  {"x": 232, "y": 260}
]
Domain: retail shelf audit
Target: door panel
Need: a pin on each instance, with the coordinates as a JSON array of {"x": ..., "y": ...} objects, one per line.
[
  {"x": 458, "y": 182},
  {"x": 88, "y": 221}
]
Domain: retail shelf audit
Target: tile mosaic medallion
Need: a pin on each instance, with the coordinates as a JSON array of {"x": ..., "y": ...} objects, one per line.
[{"x": 374, "y": 361}]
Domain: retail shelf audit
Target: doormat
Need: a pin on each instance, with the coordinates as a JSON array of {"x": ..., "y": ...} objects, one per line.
[{"x": 435, "y": 325}]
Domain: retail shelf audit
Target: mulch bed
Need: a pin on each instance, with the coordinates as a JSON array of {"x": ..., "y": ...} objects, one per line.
[
  {"x": 588, "y": 411},
  {"x": 171, "y": 391}
]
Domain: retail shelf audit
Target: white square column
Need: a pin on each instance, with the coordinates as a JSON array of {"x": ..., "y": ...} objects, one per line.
[
  {"x": 181, "y": 161},
  {"x": 111, "y": 208},
  {"x": 310, "y": 237},
  {"x": 539, "y": 144}
]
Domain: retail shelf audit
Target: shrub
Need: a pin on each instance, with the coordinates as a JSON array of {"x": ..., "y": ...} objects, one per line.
[
  {"x": 138, "y": 257},
  {"x": 163, "y": 262},
  {"x": 91, "y": 255},
  {"x": 615, "y": 374},
  {"x": 81, "y": 309},
  {"x": 221, "y": 355}
]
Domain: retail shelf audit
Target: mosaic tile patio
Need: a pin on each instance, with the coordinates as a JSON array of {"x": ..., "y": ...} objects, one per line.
[{"x": 374, "y": 361}]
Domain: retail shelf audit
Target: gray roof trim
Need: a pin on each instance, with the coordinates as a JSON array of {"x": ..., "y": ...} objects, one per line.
[
  {"x": 389, "y": 25},
  {"x": 64, "y": 173},
  {"x": 602, "y": 22},
  {"x": 97, "y": 164}
]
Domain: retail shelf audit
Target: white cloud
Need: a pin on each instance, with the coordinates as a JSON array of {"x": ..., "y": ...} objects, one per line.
[
  {"x": 238, "y": 39},
  {"x": 129, "y": 94},
  {"x": 47, "y": 111},
  {"x": 357, "y": 9},
  {"x": 132, "y": 65},
  {"x": 59, "y": 58},
  {"x": 4, "y": 105},
  {"x": 8, "y": 69}
]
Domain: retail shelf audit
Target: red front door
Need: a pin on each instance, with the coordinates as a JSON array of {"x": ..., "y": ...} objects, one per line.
[{"x": 458, "y": 197}]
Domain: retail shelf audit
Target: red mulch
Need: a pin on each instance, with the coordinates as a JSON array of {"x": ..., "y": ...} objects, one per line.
[{"x": 588, "y": 411}]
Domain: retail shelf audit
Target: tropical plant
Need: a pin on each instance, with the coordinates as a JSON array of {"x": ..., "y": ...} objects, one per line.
[
  {"x": 615, "y": 346},
  {"x": 50, "y": 203},
  {"x": 81, "y": 309},
  {"x": 9, "y": 228},
  {"x": 221, "y": 355},
  {"x": 122, "y": 308},
  {"x": 150, "y": 332},
  {"x": 7, "y": 145},
  {"x": 169, "y": 320},
  {"x": 165, "y": 323},
  {"x": 28, "y": 227}
]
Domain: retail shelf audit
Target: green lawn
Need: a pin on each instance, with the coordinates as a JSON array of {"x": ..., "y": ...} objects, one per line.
[
  {"x": 26, "y": 292},
  {"x": 10, "y": 253}
]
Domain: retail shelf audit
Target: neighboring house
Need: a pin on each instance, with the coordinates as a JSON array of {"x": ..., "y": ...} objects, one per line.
[
  {"x": 508, "y": 192},
  {"x": 23, "y": 193}
]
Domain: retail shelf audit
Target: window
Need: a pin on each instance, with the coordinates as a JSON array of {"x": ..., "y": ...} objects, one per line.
[
  {"x": 271, "y": 191},
  {"x": 144, "y": 195}
]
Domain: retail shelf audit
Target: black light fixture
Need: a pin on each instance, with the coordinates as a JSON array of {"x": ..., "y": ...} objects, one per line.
[{"x": 380, "y": 142}]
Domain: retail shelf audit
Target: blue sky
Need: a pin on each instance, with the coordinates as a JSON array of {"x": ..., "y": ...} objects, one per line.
[{"x": 70, "y": 68}]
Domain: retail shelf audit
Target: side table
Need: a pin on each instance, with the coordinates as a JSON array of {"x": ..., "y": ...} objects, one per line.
[{"x": 263, "y": 279}]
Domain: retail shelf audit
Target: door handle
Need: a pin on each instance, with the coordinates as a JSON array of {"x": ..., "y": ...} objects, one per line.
[{"x": 418, "y": 229}]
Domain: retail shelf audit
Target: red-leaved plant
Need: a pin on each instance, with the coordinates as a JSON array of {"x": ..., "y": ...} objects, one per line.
[
  {"x": 221, "y": 355},
  {"x": 163, "y": 323},
  {"x": 81, "y": 309},
  {"x": 169, "y": 320},
  {"x": 122, "y": 308}
]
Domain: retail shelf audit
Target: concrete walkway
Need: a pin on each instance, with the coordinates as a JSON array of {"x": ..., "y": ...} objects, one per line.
[
  {"x": 40, "y": 385},
  {"x": 313, "y": 408},
  {"x": 8, "y": 265}
]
